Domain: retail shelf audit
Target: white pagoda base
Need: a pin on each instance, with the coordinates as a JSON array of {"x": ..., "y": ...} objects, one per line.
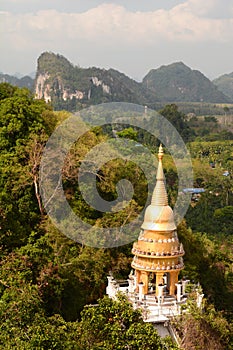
[{"x": 154, "y": 309}]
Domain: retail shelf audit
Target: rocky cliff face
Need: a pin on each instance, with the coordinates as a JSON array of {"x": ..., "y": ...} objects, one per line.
[
  {"x": 95, "y": 81},
  {"x": 46, "y": 90},
  {"x": 58, "y": 80},
  {"x": 71, "y": 87},
  {"x": 42, "y": 88}
]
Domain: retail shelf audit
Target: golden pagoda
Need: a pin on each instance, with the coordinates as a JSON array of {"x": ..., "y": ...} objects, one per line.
[{"x": 157, "y": 253}]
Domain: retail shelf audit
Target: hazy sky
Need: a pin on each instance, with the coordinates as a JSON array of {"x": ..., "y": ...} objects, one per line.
[{"x": 131, "y": 36}]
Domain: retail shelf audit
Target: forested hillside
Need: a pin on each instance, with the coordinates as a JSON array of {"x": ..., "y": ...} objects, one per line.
[
  {"x": 47, "y": 279},
  {"x": 225, "y": 84},
  {"x": 25, "y": 81},
  {"x": 177, "y": 82},
  {"x": 71, "y": 87}
]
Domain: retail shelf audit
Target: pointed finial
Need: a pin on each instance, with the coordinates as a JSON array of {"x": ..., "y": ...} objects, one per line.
[
  {"x": 160, "y": 175},
  {"x": 159, "y": 196},
  {"x": 160, "y": 153}
]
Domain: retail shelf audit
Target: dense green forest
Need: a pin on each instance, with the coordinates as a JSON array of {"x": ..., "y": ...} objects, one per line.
[
  {"x": 177, "y": 82},
  {"x": 46, "y": 279},
  {"x": 59, "y": 80}
]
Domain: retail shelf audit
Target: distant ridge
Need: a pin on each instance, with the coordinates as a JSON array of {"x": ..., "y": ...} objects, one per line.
[
  {"x": 25, "y": 81},
  {"x": 179, "y": 83},
  {"x": 72, "y": 87},
  {"x": 225, "y": 84}
]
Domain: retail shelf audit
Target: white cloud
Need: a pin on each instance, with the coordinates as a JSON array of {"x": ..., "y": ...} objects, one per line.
[
  {"x": 114, "y": 23},
  {"x": 209, "y": 8},
  {"x": 111, "y": 26}
]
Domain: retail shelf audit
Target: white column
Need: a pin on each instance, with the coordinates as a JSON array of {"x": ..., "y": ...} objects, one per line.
[
  {"x": 160, "y": 294},
  {"x": 109, "y": 289},
  {"x": 160, "y": 299},
  {"x": 165, "y": 279},
  {"x": 179, "y": 286},
  {"x": 131, "y": 284},
  {"x": 140, "y": 291}
]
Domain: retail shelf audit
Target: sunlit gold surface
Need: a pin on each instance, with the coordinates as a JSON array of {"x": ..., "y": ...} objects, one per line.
[{"x": 158, "y": 251}]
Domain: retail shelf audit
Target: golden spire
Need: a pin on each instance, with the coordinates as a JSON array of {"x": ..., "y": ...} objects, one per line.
[
  {"x": 159, "y": 197},
  {"x": 159, "y": 215}
]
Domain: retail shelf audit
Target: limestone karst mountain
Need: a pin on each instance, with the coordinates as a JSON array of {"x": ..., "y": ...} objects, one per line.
[
  {"x": 225, "y": 84},
  {"x": 179, "y": 83},
  {"x": 72, "y": 87},
  {"x": 66, "y": 85}
]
